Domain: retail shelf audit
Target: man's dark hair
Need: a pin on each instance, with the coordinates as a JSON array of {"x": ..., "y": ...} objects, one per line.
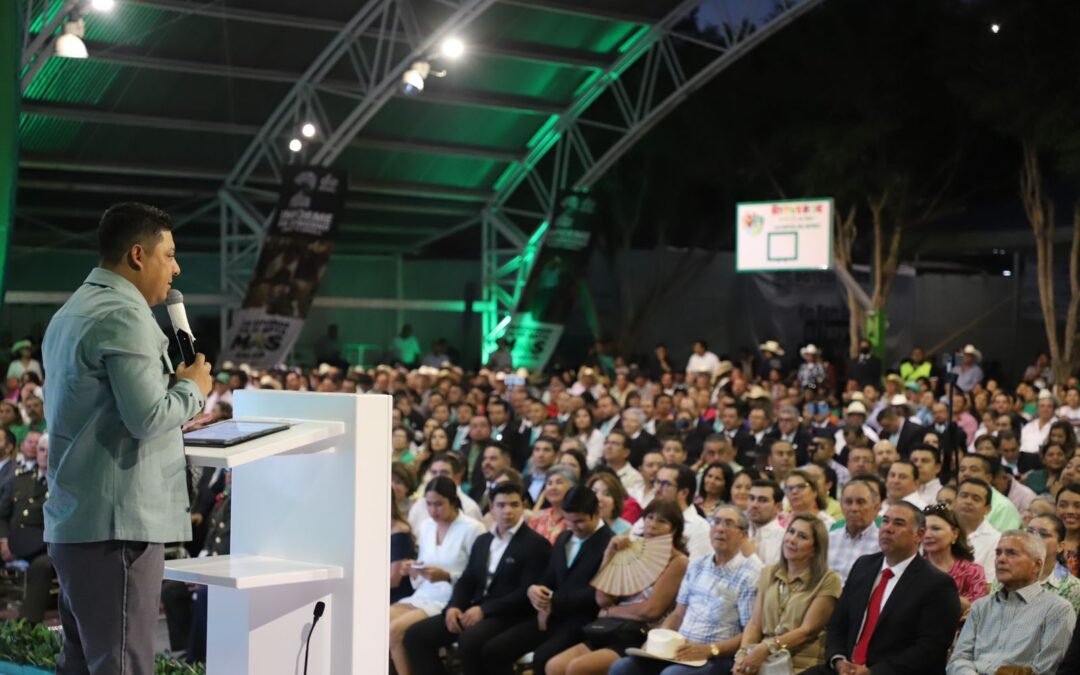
[
  {"x": 917, "y": 516},
  {"x": 777, "y": 491},
  {"x": 987, "y": 438},
  {"x": 124, "y": 225},
  {"x": 9, "y": 439},
  {"x": 886, "y": 413},
  {"x": 686, "y": 480},
  {"x": 501, "y": 447},
  {"x": 926, "y": 447},
  {"x": 904, "y": 462},
  {"x": 867, "y": 479},
  {"x": 987, "y": 463},
  {"x": 553, "y": 442},
  {"x": 457, "y": 467},
  {"x": 580, "y": 499},
  {"x": 981, "y": 483},
  {"x": 499, "y": 402},
  {"x": 508, "y": 488}
]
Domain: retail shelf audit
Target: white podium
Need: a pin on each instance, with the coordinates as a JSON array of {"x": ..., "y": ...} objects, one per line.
[{"x": 310, "y": 522}]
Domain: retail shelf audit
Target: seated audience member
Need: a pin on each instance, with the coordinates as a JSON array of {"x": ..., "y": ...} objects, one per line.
[
  {"x": 740, "y": 487},
  {"x": 563, "y": 600},
  {"x": 947, "y": 496},
  {"x": 1071, "y": 662},
  {"x": 494, "y": 458},
  {"x": 804, "y": 495},
  {"x": 861, "y": 461},
  {"x": 544, "y": 456},
  {"x": 971, "y": 509},
  {"x": 859, "y": 534},
  {"x": 403, "y": 485},
  {"x": 447, "y": 465},
  {"x": 1054, "y": 576},
  {"x": 485, "y": 601},
  {"x": 612, "y": 498},
  {"x": 1022, "y": 624},
  {"x": 22, "y": 534},
  {"x": 902, "y": 485},
  {"x": 712, "y": 622},
  {"x": 574, "y": 458},
  {"x": 650, "y": 466},
  {"x": 677, "y": 482},
  {"x": 1003, "y": 514},
  {"x": 1040, "y": 506},
  {"x": 445, "y": 540},
  {"x": 715, "y": 488},
  {"x": 1036, "y": 432},
  {"x": 945, "y": 545},
  {"x": 795, "y": 599},
  {"x": 1068, "y": 509},
  {"x": 891, "y": 614},
  {"x": 1043, "y": 481},
  {"x": 617, "y": 458},
  {"x": 884, "y": 455},
  {"x": 925, "y": 459},
  {"x": 595, "y": 655},
  {"x": 1009, "y": 485},
  {"x": 674, "y": 451},
  {"x": 763, "y": 510},
  {"x": 781, "y": 459},
  {"x": 550, "y": 522},
  {"x": 402, "y": 549}
]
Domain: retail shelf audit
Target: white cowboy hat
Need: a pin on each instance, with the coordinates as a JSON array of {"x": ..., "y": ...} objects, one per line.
[
  {"x": 970, "y": 349},
  {"x": 901, "y": 401},
  {"x": 856, "y": 408},
  {"x": 810, "y": 349},
  {"x": 756, "y": 392},
  {"x": 771, "y": 346},
  {"x": 661, "y": 645}
]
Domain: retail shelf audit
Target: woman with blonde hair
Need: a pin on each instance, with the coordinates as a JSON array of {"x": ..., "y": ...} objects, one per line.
[{"x": 795, "y": 599}]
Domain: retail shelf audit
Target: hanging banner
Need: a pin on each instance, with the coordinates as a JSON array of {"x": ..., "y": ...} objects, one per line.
[{"x": 290, "y": 267}]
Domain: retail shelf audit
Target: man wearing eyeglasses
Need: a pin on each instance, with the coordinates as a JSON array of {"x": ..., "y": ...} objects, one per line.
[
  {"x": 787, "y": 429},
  {"x": 678, "y": 483},
  {"x": 714, "y": 603}
]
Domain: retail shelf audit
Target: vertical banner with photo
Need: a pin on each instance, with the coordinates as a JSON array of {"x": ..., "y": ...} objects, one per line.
[{"x": 290, "y": 267}]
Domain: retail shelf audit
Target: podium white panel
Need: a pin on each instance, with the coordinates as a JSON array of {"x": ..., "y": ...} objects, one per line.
[{"x": 310, "y": 522}]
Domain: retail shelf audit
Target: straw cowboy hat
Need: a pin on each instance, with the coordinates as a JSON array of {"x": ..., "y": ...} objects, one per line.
[
  {"x": 809, "y": 350},
  {"x": 856, "y": 408},
  {"x": 771, "y": 346},
  {"x": 970, "y": 349}
]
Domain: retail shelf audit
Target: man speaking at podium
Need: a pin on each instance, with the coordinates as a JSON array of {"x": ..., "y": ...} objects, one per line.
[{"x": 116, "y": 475}]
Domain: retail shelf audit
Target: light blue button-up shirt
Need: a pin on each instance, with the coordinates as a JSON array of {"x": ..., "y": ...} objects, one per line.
[{"x": 116, "y": 453}]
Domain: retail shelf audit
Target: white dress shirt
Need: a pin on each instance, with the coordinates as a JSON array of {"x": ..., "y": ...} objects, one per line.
[
  {"x": 1032, "y": 435},
  {"x": 984, "y": 539},
  {"x": 629, "y": 477},
  {"x": 898, "y": 571},
  {"x": 498, "y": 548},
  {"x": 642, "y": 494},
  {"x": 928, "y": 491},
  {"x": 702, "y": 363},
  {"x": 769, "y": 538},
  {"x": 418, "y": 514}
]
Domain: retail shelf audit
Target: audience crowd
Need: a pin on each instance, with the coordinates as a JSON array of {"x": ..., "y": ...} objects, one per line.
[{"x": 822, "y": 517}]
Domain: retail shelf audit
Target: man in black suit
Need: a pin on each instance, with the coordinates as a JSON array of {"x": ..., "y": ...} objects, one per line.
[
  {"x": 898, "y": 613},
  {"x": 952, "y": 441},
  {"x": 494, "y": 459},
  {"x": 904, "y": 434},
  {"x": 564, "y": 601},
  {"x": 787, "y": 428},
  {"x": 502, "y": 565},
  {"x": 504, "y": 430}
]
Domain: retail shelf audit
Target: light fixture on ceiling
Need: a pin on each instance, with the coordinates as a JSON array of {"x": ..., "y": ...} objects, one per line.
[
  {"x": 452, "y": 48},
  {"x": 70, "y": 44},
  {"x": 412, "y": 82},
  {"x": 308, "y": 130},
  {"x": 103, "y": 5},
  {"x": 995, "y": 28},
  {"x": 295, "y": 145}
]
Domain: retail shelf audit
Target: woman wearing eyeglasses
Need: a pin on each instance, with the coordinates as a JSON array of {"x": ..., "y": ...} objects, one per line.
[
  {"x": 794, "y": 601},
  {"x": 946, "y": 546},
  {"x": 804, "y": 495}
]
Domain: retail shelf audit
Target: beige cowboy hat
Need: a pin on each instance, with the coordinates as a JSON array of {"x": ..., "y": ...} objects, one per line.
[
  {"x": 810, "y": 349},
  {"x": 771, "y": 346},
  {"x": 662, "y": 645},
  {"x": 970, "y": 350},
  {"x": 856, "y": 408}
]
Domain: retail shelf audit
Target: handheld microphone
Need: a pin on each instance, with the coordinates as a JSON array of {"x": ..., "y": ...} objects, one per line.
[
  {"x": 174, "y": 302},
  {"x": 320, "y": 607}
]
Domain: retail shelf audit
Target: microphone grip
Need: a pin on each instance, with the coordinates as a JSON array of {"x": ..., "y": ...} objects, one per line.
[{"x": 187, "y": 347}]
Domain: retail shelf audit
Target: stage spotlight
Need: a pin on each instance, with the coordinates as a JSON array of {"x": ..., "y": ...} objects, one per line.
[
  {"x": 308, "y": 130},
  {"x": 995, "y": 28},
  {"x": 412, "y": 82},
  {"x": 103, "y": 5},
  {"x": 452, "y": 48},
  {"x": 295, "y": 145},
  {"x": 70, "y": 44}
]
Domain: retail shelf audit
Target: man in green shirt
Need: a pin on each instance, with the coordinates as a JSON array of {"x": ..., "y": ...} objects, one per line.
[{"x": 117, "y": 469}]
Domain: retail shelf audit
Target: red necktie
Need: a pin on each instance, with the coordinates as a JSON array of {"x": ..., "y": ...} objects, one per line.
[{"x": 872, "y": 614}]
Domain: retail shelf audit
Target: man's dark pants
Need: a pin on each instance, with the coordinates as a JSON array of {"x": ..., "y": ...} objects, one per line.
[{"x": 109, "y": 597}]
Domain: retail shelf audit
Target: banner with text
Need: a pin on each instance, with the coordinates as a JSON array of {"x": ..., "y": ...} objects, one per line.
[
  {"x": 785, "y": 235},
  {"x": 290, "y": 267}
]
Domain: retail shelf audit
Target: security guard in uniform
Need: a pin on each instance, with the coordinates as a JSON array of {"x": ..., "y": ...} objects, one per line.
[{"x": 22, "y": 535}]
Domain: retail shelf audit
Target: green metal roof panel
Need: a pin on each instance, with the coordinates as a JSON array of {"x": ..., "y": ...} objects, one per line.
[
  {"x": 507, "y": 76},
  {"x": 557, "y": 29},
  {"x": 46, "y": 134},
  {"x": 458, "y": 172},
  {"x": 413, "y": 119},
  {"x": 72, "y": 81}
]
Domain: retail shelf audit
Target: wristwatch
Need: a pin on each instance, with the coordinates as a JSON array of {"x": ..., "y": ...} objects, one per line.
[{"x": 714, "y": 650}]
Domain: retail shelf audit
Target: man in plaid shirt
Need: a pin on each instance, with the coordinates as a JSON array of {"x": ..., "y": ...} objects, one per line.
[
  {"x": 714, "y": 603},
  {"x": 859, "y": 535}
]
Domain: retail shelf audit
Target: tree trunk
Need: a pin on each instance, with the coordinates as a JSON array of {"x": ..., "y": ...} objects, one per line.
[
  {"x": 1040, "y": 214},
  {"x": 885, "y": 262},
  {"x": 845, "y": 241}
]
